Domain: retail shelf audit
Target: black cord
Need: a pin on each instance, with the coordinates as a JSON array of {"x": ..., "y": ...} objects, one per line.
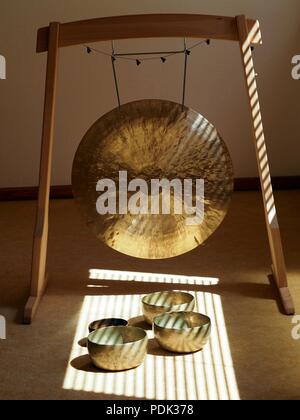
[
  {"x": 186, "y": 51},
  {"x": 139, "y": 60}
]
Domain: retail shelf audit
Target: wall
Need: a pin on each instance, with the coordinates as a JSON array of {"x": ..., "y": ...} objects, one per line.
[{"x": 215, "y": 82}]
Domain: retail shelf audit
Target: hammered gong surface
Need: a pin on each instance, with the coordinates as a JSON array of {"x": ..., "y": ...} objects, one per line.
[{"x": 153, "y": 139}]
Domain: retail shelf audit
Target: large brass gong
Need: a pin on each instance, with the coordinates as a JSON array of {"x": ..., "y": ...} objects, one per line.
[{"x": 153, "y": 139}]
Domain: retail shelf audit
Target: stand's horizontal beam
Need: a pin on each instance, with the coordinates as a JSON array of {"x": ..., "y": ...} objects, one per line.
[{"x": 148, "y": 26}]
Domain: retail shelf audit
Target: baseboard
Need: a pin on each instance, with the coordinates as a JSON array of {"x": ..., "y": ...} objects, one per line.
[
  {"x": 278, "y": 182},
  {"x": 65, "y": 191},
  {"x": 31, "y": 193}
]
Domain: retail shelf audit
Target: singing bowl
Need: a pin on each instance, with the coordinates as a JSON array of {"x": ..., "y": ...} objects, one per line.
[
  {"x": 153, "y": 140},
  {"x": 108, "y": 322},
  {"x": 117, "y": 348},
  {"x": 161, "y": 302},
  {"x": 182, "y": 332}
]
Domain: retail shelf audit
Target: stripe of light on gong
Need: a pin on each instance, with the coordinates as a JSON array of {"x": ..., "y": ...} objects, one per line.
[{"x": 204, "y": 375}]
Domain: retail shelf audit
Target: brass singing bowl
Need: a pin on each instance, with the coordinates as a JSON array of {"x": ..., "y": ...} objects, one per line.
[
  {"x": 153, "y": 139},
  {"x": 107, "y": 322},
  {"x": 182, "y": 332},
  {"x": 161, "y": 302},
  {"x": 117, "y": 348}
]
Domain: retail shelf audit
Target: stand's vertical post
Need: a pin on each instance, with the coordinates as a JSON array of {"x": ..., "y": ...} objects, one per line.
[
  {"x": 39, "y": 256},
  {"x": 278, "y": 268}
]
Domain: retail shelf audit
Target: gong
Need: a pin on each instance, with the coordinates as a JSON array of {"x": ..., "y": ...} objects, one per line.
[{"x": 153, "y": 140}]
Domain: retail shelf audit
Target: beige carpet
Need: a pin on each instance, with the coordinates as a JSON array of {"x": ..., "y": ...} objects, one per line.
[{"x": 252, "y": 354}]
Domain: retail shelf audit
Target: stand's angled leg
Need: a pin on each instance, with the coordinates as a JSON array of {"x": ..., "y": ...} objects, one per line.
[
  {"x": 279, "y": 268},
  {"x": 38, "y": 273}
]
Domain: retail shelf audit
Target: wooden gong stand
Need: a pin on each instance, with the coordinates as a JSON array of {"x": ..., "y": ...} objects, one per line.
[{"x": 50, "y": 39}]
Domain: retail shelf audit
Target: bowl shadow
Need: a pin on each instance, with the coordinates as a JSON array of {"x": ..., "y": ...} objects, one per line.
[
  {"x": 139, "y": 322},
  {"x": 156, "y": 350},
  {"x": 83, "y": 342},
  {"x": 84, "y": 364}
]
